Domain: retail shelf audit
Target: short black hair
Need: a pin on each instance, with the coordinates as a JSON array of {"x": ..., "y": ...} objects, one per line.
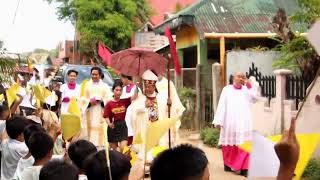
[
  {"x": 3, "y": 108},
  {"x": 15, "y": 126},
  {"x": 179, "y": 163},
  {"x": 125, "y": 76},
  {"x": 117, "y": 83},
  {"x": 72, "y": 71},
  {"x": 97, "y": 69},
  {"x": 30, "y": 130},
  {"x": 79, "y": 151},
  {"x": 96, "y": 168},
  {"x": 40, "y": 144},
  {"x": 58, "y": 170}
]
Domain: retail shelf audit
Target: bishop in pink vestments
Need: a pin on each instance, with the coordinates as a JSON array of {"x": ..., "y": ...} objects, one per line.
[{"x": 234, "y": 118}]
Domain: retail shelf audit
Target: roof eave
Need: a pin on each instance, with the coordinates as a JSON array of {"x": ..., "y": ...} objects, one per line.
[
  {"x": 174, "y": 23},
  {"x": 242, "y": 35}
]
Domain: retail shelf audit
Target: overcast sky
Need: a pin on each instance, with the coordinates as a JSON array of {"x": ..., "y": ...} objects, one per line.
[{"x": 36, "y": 26}]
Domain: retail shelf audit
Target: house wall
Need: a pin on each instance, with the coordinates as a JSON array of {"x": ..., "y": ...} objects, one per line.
[
  {"x": 242, "y": 60},
  {"x": 66, "y": 52},
  {"x": 186, "y": 37}
]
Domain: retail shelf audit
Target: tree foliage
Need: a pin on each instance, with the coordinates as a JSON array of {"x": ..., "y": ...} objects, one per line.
[
  {"x": 112, "y": 22},
  {"x": 296, "y": 53},
  {"x": 8, "y": 62}
]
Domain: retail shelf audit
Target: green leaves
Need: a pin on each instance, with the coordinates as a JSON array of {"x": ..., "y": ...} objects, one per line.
[
  {"x": 296, "y": 53},
  {"x": 112, "y": 22},
  {"x": 7, "y": 68}
]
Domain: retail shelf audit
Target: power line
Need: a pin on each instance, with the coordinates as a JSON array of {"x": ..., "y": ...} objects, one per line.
[{"x": 15, "y": 13}]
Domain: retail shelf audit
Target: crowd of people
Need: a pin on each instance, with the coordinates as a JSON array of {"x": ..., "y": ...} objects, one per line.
[{"x": 29, "y": 138}]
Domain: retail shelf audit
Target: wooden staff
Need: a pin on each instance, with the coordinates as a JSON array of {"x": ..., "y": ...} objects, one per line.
[{"x": 169, "y": 98}]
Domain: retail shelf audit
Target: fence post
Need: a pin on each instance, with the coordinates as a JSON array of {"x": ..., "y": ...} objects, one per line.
[
  {"x": 280, "y": 96},
  {"x": 178, "y": 80},
  {"x": 198, "y": 117},
  {"x": 216, "y": 84}
]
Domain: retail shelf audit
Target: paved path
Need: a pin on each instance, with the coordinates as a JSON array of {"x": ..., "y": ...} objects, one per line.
[{"x": 214, "y": 156}]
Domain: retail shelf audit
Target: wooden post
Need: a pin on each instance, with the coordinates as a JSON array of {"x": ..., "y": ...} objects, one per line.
[
  {"x": 222, "y": 61},
  {"x": 198, "y": 117}
]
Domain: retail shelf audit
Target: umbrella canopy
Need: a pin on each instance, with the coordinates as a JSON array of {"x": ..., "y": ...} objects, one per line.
[{"x": 135, "y": 61}]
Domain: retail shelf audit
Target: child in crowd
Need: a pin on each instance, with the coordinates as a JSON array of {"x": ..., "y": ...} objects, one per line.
[
  {"x": 14, "y": 147},
  {"x": 96, "y": 167},
  {"x": 179, "y": 163},
  {"x": 41, "y": 148},
  {"x": 78, "y": 152},
  {"x": 28, "y": 160},
  {"x": 4, "y": 115},
  {"x": 58, "y": 170}
]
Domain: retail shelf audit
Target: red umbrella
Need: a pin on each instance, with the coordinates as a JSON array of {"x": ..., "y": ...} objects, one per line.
[{"x": 135, "y": 61}]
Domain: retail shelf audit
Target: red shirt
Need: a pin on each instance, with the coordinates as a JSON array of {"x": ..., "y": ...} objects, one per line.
[{"x": 116, "y": 110}]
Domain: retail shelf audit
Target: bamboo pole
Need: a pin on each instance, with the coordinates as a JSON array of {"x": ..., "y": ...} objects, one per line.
[
  {"x": 222, "y": 60},
  {"x": 242, "y": 35}
]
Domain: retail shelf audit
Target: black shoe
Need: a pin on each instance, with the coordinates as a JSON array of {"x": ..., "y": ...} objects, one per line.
[
  {"x": 227, "y": 169},
  {"x": 244, "y": 173}
]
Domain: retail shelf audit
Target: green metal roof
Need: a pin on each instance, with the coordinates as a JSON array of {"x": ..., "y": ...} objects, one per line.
[{"x": 230, "y": 16}]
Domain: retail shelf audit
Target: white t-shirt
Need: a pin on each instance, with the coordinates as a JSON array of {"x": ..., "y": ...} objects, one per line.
[
  {"x": 2, "y": 126},
  {"x": 25, "y": 163},
  {"x": 83, "y": 177},
  {"x": 31, "y": 173},
  {"x": 22, "y": 164},
  {"x": 12, "y": 151}
]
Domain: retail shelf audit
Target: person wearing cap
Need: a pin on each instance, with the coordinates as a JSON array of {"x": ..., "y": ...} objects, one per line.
[
  {"x": 150, "y": 107},
  {"x": 69, "y": 90}
]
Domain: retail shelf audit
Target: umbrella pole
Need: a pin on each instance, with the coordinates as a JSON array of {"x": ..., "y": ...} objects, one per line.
[{"x": 169, "y": 94}]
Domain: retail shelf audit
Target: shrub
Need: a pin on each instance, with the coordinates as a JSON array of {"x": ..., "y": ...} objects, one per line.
[
  {"x": 188, "y": 99},
  {"x": 312, "y": 171},
  {"x": 210, "y": 136}
]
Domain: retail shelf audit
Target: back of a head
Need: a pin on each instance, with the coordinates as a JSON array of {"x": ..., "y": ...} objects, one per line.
[
  {"x": 96, "y": 167},
  {"x": 58, "y": 170},
  {"x": 179, "y": 163},
  {"x": 40, "y": 145},
  {"x": 30, "y": 130},
  {"x": 79, "y": 151},
  {"x": 15, "y": 126},
  {"x": 4, "y": 110}
]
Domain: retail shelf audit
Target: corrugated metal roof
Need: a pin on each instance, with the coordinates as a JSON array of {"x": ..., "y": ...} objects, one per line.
[{"x": 230, "y": 16}]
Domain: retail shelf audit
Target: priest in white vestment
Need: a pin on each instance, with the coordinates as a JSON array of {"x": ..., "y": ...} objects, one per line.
[
  {"x": 128, "y": 91},
  {"x": 97, "y": 94},
  {"x": 69, "y": 90},
  {"x": 234, "y": 118},
  {"x": 177, "y": 107}
]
